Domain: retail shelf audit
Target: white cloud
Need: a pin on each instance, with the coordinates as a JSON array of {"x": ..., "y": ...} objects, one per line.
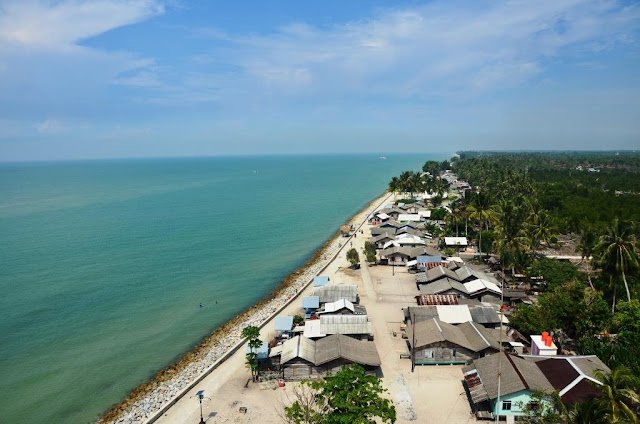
[
  {"x": 61, "y": 24},
  {"x": 50, "y": 126},
  {"x": 440, "y": 48}
]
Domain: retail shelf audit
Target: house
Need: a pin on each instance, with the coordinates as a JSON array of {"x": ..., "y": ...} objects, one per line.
[
  {"x": 320, "y": 281},
  {"x": 409, "y": 217},
  {"x": 456, "y": 314},
  {"x": 284, "y": 326},
  {"x": 300, "y": 358},
  {"x": 392, "y": 212},
  {"x": 332, "y": 293},
  {"x": 401, "y": 255},
  {"x": 522, "y": 376},
  {"x": 434, "y": 274},
  {"x": 435, "y": 342},
  {"x": 406, "y": 240},
  {"x": 455, "y": 241},
  {"x": 378, "y": 218},
  {"x": 425, "y": 262},
  {"x": 514, "y": 296},
  {"x": 356, "y": 326},
  {"x": 391, "y": 224},
  {"x": 310, "y": 305},
  {"x": 424, "y": 214},
  {"x": 543, "y": 345},
  {"x": 483, "y": 290},
  {"x": 445, "y": 286},
  {"x": 380, "y": 240},
  {"x": 376, "y": 231},
  {"x": 409, "y": 230}
]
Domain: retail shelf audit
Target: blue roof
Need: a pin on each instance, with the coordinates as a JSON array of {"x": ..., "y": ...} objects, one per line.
[
  {"x": 262, "y": 352},
  {"x": 428, "y": 259},
  {"x": 284, "y": 323},
  {"x": 320, "y": 281},
  {"x": 311, "y": 302}
]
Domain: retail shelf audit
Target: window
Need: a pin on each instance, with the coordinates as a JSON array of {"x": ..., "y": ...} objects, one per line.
[
  {"x": 534, "y": 406},
  {"x": 506, "y": 405}
]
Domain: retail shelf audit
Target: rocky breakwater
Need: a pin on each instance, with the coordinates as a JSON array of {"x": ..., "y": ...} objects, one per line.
[{"x": 145, "y": 402}]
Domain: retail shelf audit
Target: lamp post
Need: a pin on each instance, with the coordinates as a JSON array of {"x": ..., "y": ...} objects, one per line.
[{"x": 200, "y": 395}]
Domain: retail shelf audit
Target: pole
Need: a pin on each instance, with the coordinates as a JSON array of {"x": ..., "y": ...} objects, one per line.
[
  {"x": 201, "y": 417},
  {"x": 413, "y": 340},
  {"x": 500, "y": 342}
]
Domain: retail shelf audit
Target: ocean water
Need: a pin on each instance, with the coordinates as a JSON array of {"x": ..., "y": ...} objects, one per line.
[{"x": 104, "y": 264}]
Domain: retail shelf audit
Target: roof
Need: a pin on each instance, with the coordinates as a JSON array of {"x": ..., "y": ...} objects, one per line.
[
  {"x": 517, "y": 374},
  {"x": 479, "y": 285},
  {"x": 436, "y": 299},
  {"x": 410, "y": 252},
  {"x": 339, "y": 346},
  {"x": 383, "y": 236},
  {"x": 467, "y": 335},
  {"x": 337, "y": 324},
  {"x": 320, "y": 280},
  {"x": 465, "y": 272},
  {"x": 283, "y": 323},
  {"x": 436, "y": 273},
  {"x": 484, "y": 314},
  {"x": 332, "y": 293},
  {"x": 298, "y": 347},
  {"x": 330, "y": 348},
  {"x": 423, "y": 259},
  {"x": 455, "y": 241},
  {"x": 444, "y": 285},
  {"x": 383, "y": 215},
  {"x": 337, "y": 305},
  {"x": 310, "y": 302},
  {"x": 452, "y": 314},
  {"x": 409, "y": 217}
]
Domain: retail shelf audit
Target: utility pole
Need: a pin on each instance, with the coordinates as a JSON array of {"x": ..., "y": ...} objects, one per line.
[{"x": 498, "y": 406}]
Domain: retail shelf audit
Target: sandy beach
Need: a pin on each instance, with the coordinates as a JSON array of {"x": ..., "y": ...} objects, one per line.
[
  {"x": 430, "y": 394},
  {"x": 220, "y": 358}
]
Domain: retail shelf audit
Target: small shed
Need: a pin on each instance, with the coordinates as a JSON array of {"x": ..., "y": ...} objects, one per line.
[
  {"x": 543, "y": 345},
  {"x": 320, "y": 281},
  {"x": 455, "y": 241},
  {"x": 310, "y": 305},
  {"x": 283, "y": 325}
]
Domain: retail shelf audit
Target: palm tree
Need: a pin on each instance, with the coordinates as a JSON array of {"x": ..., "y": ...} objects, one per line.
[
  {"x": 394, "y": 185},
  {"x": 619, "y": 388},
  {"x": 585, "y": 247},
  {"x": 511, "y": 238},
  {"x": 480, "y": 210},
  {"x": 591, "y": 411},
  {"x": 618, "y": 254},
  {"x": 540, "y": 228}
]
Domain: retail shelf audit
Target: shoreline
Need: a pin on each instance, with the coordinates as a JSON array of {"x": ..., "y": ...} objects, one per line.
[{"x": 148, "y": 401}]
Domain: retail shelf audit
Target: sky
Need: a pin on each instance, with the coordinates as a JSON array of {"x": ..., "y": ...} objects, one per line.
[{"x": 148, "y": 78}]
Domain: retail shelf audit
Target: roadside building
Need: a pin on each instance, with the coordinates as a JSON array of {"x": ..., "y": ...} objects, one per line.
[
  {"x": 332, "y": 293},
  {"x": 310, "y": 305},
  {"x": 356, "y": 326}
]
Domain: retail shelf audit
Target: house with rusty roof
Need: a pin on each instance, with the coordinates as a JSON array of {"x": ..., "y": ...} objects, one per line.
[{"x": 572, "y": 377}]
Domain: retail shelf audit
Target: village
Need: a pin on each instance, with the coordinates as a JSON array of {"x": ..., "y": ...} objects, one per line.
[{"x": 433, "y": 326}]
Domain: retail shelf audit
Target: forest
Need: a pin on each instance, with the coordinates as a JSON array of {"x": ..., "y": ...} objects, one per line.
[{"x": 520, "y": 206}]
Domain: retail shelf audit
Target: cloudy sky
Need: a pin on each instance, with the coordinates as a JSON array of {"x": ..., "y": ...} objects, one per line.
[{"x": 127, "y": 78}]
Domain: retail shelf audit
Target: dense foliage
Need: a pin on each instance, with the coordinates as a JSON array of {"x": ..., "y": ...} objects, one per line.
[{"x": 351, "y": 396}]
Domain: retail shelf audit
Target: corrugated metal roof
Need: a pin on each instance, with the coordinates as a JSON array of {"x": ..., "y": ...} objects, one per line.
[
  {"x": 455, "y": 241},
  {"x": 345, "y": 324},
  {"x": 453, "y": 314},
  {"x": 298, "y": 347},
  {"x": 310, "y": 302},
  {"x": 444, "y": 285},
  {"x": 283, "y": 323},
  {"x": 320, "y": 280},
  {"x": 337, "y": 305},
  {"x": 484, "y": 314},
  {"x": 340, "y": 346},
  {"x": 337, "y": 292}
]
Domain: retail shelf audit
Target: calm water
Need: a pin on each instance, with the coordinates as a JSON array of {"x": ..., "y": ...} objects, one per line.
[{"x": 103, "y": 264}]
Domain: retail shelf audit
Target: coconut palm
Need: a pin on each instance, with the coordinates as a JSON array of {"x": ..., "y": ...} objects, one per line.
[
  {"x": 591, "y": 411},
  {"x": 481, "y": 211},
  {"x": 540, "y": 228},
  {"x": 585, "y": 246},
  {"x": 620, "y": 393},
  {"x": 394, "y": 185},
  {"x": 511, "y": 238},
  {"x": 618, "y": 254}
]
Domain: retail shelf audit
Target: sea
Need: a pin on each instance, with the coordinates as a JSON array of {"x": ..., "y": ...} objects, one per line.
[{"x": 111, "y": 269}]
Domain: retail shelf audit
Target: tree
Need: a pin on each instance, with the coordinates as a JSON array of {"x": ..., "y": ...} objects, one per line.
[
  {"x": 480, "y": 210},
  {"x": 353, "y": 257},
  {"x": 620, "y": 391},
  {"x": 370, "y": 251},
  {"x": 432, "y": 167},
  {"x": 541, "y": 228},
  {"x": 349, "y": 397},
  {"x": 252, "y": 334},
  {"x": 617, "y": 254},
  {"x": 585, "y": 247}
]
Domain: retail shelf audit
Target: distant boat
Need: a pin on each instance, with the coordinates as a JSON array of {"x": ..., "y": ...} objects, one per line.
[{"x": 383, "y": 157}]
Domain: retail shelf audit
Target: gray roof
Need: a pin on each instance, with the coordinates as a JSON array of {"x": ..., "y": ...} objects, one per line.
[
  {"x": 516, "y": 374},
  {"x": 484, "y": 314},
  {"x": 337, "y": 292},
  {"x": 376, "y": 231},
  {"x": 339, "y": 346},
  {"x": 435, "y": 274},
  {"x": 383, "y": 236},
  {"x": 411, "y": 252},
  {"x": 298, "y": 347},
  {"x": 465, "y": 272},
  {"x": 442, "y": 286},
  {"x": 467, "y": 335},
  {"x": 345, "y": 324}
]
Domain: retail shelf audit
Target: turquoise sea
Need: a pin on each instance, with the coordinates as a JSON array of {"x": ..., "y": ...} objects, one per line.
[{"x": 104, "y": 264}]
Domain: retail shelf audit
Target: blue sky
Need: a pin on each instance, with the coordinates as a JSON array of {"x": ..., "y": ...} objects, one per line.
[{"x": 116, "y": 78}]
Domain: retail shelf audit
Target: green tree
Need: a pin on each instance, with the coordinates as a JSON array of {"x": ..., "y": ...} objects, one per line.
[
  {"x": 353, "y": 257},
  {"x": 252, "y": 334},
  {"x": 432, "y": 167},
  {"x": 349, "y": 397},
  {"x": 480, "y": 210},
  {"x": 586, "y": 246},
  {"x": 620, "y": 392},
  {"x": 617, "y": 254},
  {"x": 370, "y": 251}
]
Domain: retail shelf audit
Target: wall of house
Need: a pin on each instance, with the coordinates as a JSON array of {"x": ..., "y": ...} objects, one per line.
[
  {"x": 443, "y": 353},
  {"x": 519, "y": 400}
]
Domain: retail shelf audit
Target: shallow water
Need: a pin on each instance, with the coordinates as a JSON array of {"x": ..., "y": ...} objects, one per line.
[{"x": 105, "y": 263}]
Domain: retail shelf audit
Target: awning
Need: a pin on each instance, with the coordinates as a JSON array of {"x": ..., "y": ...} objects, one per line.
[{"x": 412, "y": 263}]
